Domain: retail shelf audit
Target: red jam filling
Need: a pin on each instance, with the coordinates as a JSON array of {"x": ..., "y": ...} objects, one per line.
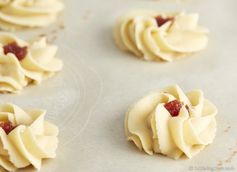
[
  {"x": 173, "y": 107},
  {"x": 161, "y": 20},
  {"x": 7, "y": 126},
  {"x": 13, "y": 47}
]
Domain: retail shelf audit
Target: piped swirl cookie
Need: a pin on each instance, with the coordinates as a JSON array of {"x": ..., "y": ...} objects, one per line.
[
  {"x": 23, "y": 63},
  {"x": 160, "y": 36},
  {"x": 25, "y": 137},
  {"x": 19, "y": 14},
  {"x": 172, "y": 123}
]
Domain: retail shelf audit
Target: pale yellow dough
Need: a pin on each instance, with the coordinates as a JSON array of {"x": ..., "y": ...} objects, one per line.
[
  {"x": 40, "y": 63},
  {"x": 33, "y": 140},
  {"x": 151, "y": 127},
  {"x": 18, "y": 14},
  {"x": 139, "y": 33}
]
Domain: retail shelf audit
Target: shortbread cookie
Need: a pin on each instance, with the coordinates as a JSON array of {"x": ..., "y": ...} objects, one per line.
[
  {"x": 172, "y": 123},
  {"x": 160, "y": 36},
  {"x": 18, "y": 14},
  {"x": 25, "y": 137},
  {"x": 23, "y": 63}
]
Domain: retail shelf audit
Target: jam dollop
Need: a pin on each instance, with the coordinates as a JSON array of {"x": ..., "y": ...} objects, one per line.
[
  {"x": 7, "y": 126},
  {"x": 173, "y": 107},
  {"x": 13, "y": 47},
  {"x": 161, "y": 20}
]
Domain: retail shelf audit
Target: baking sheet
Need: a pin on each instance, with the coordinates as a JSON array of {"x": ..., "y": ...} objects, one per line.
[{"x": 89, "y": 98}]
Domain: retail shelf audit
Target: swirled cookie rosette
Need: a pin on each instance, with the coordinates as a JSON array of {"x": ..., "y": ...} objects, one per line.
[
  {"x": 172, "y": 123},
  {"x": 25, "y": 137},
  {"x": 160, "y": 36},
  {"x": 19, "y": 14},
  {"x": 23, "y": 63}
]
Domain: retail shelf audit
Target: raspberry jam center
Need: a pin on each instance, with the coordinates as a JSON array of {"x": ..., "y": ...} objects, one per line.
[
  {"x": 7, "y": 126},
  {"x": 173, "y": 107},
  {"x": 161, "y": 20},
  {"x": 13, "y": 47}
]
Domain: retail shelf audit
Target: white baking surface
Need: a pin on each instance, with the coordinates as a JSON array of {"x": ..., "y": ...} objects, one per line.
[{"x": 89, "y": 98}]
